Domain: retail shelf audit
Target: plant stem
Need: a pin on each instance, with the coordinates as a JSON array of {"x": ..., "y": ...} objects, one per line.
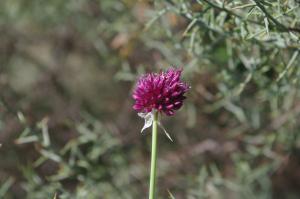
[{"x": 153, "y": 157}]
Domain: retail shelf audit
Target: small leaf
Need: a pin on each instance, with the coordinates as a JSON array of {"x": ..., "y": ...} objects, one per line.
[
  {"x": 155, "y": 18},
  {"x": 6, "y": 186},
  {"x": 50, "y": 155},
  {"x": 167, "y": 134},
  {"x": 21, "y": 118},
  {"x": 171, "y": 195},
  {"x": 267, "y": 25},
  {"x": 28, "y": 139},
  {"x": 43, "y": 125}
]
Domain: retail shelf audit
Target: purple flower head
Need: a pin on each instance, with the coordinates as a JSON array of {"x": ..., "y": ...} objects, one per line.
[{"x": 162, "y": 91}]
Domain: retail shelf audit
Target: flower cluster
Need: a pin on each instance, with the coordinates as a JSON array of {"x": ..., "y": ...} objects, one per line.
[{"x": 162, "y": 91}]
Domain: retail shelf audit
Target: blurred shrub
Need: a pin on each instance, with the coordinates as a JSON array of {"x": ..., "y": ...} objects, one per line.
[{"x": 67, "y": 68}]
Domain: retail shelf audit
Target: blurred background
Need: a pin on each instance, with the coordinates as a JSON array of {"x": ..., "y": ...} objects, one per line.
[{"x": 67, "y": 70}]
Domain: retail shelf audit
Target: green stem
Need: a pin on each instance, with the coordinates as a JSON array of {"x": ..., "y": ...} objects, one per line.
[{"x": 153, "y": 157}]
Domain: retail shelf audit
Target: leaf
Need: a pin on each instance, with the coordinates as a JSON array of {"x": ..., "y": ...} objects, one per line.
[
  {"x": 43, "y": 125},
  {"x": 289, "y": 65},
  {"x": 21, "y": 118},
  {"x": 5, "y": 186},
  {"x": 165, "y": 131},
  {"x": 191, "y": 24},
  {"x": 171, "y": 195},
  {"x": 28, "y": 139},
  {"x": 50, "y": 155},
  {"x": 267, "y": 25},
  {"x": 155, "y": 18},
  {"x": 237, "y": 111}
]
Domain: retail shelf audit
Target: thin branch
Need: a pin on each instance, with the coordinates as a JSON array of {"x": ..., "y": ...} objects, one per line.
[
  {"x": 276, "y": 22},
  {"x": 279, "y": 25},
  {"x": 230, "y": 12},
  {"x": 198, "y": 21}
]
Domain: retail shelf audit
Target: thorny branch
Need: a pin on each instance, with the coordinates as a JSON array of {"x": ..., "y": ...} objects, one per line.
[{"x": 277, "y": 24}]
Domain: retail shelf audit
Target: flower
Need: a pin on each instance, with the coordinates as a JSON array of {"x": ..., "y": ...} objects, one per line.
[{"x": 162, "y": 91}]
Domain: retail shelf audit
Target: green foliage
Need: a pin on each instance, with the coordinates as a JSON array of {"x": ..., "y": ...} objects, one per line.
[{"x": 66, "y": 72}]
